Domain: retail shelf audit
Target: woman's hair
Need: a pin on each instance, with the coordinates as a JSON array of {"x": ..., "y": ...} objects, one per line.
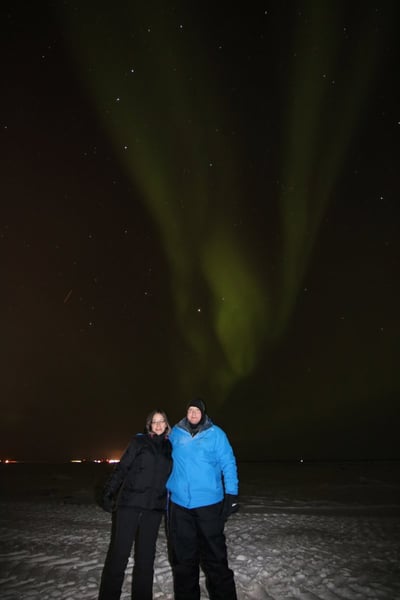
[{"x": 149, "y": 419}]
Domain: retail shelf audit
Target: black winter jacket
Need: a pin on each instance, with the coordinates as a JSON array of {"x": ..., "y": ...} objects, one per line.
[{"x": 139, "y": 479}]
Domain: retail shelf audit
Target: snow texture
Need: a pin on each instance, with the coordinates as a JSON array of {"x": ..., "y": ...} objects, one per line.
[{"x": 290, "y": 541}]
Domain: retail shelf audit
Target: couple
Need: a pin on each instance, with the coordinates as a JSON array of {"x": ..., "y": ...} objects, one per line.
[{"x": 203, "y": 488}]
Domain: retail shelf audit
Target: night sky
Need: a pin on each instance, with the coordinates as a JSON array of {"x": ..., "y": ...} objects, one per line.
[{"x": 198, "y": 199}]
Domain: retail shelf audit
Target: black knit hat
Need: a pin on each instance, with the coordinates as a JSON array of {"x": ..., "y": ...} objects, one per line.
[{"x": 198, "y": 403}]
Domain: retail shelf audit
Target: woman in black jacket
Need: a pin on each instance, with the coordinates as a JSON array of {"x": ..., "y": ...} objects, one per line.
[{"x": 136, "y": 494}]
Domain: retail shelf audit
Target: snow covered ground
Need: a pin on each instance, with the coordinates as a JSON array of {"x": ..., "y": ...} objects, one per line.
[{"x": 325, "y": 532}]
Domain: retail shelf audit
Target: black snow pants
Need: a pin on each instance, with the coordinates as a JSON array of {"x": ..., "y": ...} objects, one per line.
[
  {"x": 131, "y": 525},
  {"x": 196, "y": 538}
]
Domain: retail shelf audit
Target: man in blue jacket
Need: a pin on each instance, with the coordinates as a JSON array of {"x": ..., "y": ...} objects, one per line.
[{"x": 203, "y": 489}]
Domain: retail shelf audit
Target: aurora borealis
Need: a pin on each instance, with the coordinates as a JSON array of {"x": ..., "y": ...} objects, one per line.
[{"x": 202, "y": 200}]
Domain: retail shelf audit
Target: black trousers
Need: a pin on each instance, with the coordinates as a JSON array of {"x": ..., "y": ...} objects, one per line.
[
  {"x": 131, "y": 525},
  {"x": 196, "y": 538}
]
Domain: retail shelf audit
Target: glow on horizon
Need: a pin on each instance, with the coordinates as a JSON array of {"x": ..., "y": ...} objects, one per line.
[
  {"x": 95, "y": 460},
  {"x": 11, "y": 461}
]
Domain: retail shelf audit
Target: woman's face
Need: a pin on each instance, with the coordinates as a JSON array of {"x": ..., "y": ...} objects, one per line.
[{"x": 158, "y": 424}]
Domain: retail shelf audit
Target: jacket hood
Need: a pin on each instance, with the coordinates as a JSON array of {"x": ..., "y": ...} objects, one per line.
[{"x": 184, "y": 424}]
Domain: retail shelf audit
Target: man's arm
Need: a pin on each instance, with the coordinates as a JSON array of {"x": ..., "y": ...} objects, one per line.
[{"x": 229, "y": 471}]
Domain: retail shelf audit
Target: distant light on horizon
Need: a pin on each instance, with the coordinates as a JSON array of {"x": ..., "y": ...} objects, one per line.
[{"x": 95, "y": 460}]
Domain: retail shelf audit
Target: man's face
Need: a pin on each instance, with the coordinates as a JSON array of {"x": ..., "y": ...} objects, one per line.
[{"x": 193, "y": 415}]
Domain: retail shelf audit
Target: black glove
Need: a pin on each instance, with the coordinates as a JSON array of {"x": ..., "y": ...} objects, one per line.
[
  {"x": 230, "y": 505},
  {"x": 108, "y": 503}
]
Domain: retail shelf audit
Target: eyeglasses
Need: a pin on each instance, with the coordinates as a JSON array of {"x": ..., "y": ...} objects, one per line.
[{"x": 158, "y": 422}]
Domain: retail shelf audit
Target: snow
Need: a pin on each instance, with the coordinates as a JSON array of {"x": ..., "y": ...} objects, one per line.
[{"x": 326, "y": 532}]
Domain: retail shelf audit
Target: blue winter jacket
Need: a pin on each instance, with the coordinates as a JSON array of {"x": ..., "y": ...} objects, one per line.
[{"x": 204, "y": 466}]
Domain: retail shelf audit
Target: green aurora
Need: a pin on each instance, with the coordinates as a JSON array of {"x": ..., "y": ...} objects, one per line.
[{"x": 155, "y": 87}]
